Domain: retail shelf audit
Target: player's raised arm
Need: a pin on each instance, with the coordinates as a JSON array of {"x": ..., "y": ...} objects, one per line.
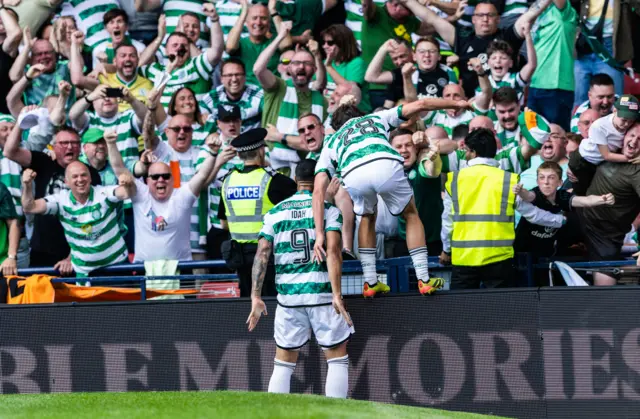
[{"x": 432, "y": 104}]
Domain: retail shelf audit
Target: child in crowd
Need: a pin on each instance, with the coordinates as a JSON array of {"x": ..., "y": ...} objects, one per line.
[
  {"x": 500, "y": 61},
  {"x": 604, "y": 143},
  {"x": 541, "y": 241}
]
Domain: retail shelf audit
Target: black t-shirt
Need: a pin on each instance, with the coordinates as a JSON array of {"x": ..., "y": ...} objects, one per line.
[
  {"x": 537, "y": 239},
  {"x": 48, "y": 234},
  {"x": 468, "y": 45},
  {"x": 430, "y": 83},
  {"x": 280, "y": 188},
  {"x": 6, "y": 61}
]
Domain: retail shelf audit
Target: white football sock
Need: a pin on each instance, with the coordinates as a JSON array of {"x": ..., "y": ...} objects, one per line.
[
  {"x": 420, "y": 259},
  {"x": 281, "y": 378},
  {"x": 368, "y": 262},
  {"x": 337, "y": 384}
]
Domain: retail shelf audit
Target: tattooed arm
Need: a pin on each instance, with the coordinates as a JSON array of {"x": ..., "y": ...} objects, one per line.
[
  {"x": 257, "y": 275},
  {"x": 530, "y": 16}
]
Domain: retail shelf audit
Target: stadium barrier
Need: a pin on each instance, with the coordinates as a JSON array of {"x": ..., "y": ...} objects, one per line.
[{"x": 527, "y": 353}]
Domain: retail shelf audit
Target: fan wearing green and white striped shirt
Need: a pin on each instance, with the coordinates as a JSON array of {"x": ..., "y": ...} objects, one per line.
[
  {"x": 89, "y": 216},
  {"x": 184, "y": 70},
  {"x": 173, "y": 9},
  {"x": 9, "y": 170}
]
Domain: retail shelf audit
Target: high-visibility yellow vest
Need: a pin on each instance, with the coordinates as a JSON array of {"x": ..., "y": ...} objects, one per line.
[
  {"x": 246, "y": 201},
  {"x": 483, "y": 215}
]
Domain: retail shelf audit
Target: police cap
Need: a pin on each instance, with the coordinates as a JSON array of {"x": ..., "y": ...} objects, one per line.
[
  {"x": 250, "y": 140},
  {"x": 228, "y": 113}
]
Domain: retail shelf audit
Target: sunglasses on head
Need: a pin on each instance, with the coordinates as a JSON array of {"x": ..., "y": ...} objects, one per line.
[
  {"x": 186, "y": 129},
  {"x": 156, "y": 176},
  {"x": 307, "y": 128}
]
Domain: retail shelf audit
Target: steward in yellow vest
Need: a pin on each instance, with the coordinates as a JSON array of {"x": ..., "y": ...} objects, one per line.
[
  {"x": 247, "y": 194},
  {"x": 480, "y": 230}
]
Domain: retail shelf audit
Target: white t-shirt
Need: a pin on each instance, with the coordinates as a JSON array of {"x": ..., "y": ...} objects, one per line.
[
  {"x": 162, "y": 228},
  {"x": 601, "y": 132}
]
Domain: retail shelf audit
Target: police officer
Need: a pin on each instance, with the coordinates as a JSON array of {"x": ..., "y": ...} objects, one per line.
[
  {"x": 248, "y": 193},
  {"x": 478, "y": 225}
]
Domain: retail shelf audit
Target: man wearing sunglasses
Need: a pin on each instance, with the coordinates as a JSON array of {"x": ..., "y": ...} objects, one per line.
[
  {"x": 286, "y": 100},
  {"x": 248, "y": 193}
]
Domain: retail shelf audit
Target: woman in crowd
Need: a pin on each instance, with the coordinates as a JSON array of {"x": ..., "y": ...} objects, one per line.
[
  {"x": 184, "y": 102},
  {"x": 343, "y": 62}
]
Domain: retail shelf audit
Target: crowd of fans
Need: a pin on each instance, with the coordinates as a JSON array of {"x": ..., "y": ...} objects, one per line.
[{"x": 124, "y": 119}]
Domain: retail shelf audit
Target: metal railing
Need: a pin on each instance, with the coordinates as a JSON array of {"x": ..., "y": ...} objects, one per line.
[{"x": 397, "y": 273}]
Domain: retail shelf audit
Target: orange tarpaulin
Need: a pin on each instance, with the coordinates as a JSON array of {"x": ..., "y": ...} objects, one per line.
[{"x": 38, "y": 289}]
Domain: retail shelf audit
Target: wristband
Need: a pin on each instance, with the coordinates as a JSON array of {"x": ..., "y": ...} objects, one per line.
[
  {"x": 13, "y": 257},
  {"x": 482, "y": 75},
  {"x": 87, "y": 99},
  {"x": 275, "y": 14},
  {"x": 29, "y": 79},
  {"x": 215, "y": 21},
  {"x": 152, "y": 109},
  {"x": 284, "y": 139},
  {"x": 211, "y": 153}
]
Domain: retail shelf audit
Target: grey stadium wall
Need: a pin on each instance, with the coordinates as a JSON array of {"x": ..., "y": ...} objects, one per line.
[{"x": 531, "y": 353}]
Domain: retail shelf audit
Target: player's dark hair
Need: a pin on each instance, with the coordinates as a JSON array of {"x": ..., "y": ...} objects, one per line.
[
  {"x": 460, "y": 132},
  {"x": 551, "y": 165},
  {"x": 233, "y": 60},
  {"x": 600, "y": 79},
  {"x": 343, "y": 114},
  {"x": 399, "y": 132},
  {"x": 114, "y": 13},
  {"x": 404, "y": 42},
  {"x": 505, "y": 95},
  {"x": 499, "y": 45},
  {"x": 483, "y": 142},
  {"x": 305, "y": 171}
]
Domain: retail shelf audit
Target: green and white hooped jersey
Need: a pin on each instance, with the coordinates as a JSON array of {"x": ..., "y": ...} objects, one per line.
[
  {"x": 229, "y": 12},
  {"x": 361, "y": 141},
  {"x": 88, "y": 15},
  {"x": 195, "y": 74},
  {"x": 290, "y": 227},
  {"x": 514, "y": 8},
  {"x": 10, "y": 175},
  {"x": 91, "y": 229},
  {"x": 507, "y": 138},
  {"x": 579, "y": 110},
  {"x": 355, "y": 18},
  {"x": 173, "y": 9},
  {"x": 251, "y": 104},
  {"x": 512, "y": 80}
]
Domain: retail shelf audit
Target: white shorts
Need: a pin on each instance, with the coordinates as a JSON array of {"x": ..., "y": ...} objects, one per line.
[
  {"x": 381, "y": 177},
  {"x": 293, "y": 325}
]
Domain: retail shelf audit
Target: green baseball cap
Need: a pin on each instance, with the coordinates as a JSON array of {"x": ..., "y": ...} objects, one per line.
[
  {"x": 92, "y": 135},
  {"x": 627, "y": 107}
]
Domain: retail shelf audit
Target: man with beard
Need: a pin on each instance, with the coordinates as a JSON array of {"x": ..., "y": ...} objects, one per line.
[
  {"x": 126, "y": 76},
  {"x": 88, "y": 215},
  {"x": 450, "y": 118},
  {"x": 285, "y": 101},
  {"x": 507, "y": 109},
  {"x": 248, "y": 49},
  {"x": 116, "y": 22},
  {"x": 235, "y": 91},
  {"x": 605, "y": 227},
  {"x": 48, "y": 244},
  {"x": 602, "y": 95},
  {"x": 184, "y": 70},
  {"x": 587, "y": 118}
]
